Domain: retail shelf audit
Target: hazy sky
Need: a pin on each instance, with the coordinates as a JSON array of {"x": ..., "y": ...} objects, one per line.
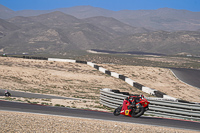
[{"x": 192, "y": 5}]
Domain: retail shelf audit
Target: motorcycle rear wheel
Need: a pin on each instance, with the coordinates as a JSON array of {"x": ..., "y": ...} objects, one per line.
[{"x": 141, "y": 112}]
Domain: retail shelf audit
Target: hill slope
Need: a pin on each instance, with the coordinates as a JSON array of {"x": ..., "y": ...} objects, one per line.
[
  {"x": 161, "y": 19},
  {"x": 60, "y": 33},
  {"x": 161, "y": 42}
]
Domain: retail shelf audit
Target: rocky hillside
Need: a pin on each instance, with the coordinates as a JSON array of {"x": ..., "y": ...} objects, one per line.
[
  {"x": 161, "y": 42},
  {"x": 57, "y": 32},
  {"x": 161, "y": 19},
  {"x": 60, "y": 33}
]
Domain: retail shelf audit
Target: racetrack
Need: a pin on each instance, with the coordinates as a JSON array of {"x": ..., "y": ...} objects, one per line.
[
  {"x": 32, "y": 108},
  {"x": 189, "y": 76},
  {"x": 32, "y": 95}
]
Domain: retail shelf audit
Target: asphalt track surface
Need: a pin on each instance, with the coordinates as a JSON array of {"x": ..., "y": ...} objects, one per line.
[
  {"x": 189, "y": 76},
  {"x": 32, "y": 95},
  {"x": 33, "y": 108}
]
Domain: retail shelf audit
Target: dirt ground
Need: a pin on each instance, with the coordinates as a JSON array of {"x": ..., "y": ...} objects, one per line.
[{"x": 14, "y": 122}]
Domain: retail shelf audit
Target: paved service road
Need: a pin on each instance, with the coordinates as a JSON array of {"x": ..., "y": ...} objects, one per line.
[
  {"x": 32, "y": 95},
  {"x": 189, "y": 76},
  {"x": 32, "y": 108}
]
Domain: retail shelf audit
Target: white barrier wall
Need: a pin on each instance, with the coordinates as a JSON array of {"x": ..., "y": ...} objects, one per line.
[
  {"x": 129, "y": 81},
  {"x": 90, "y": 64},
  {"x": 114, "y": 74},
  {"x": 101, "y": 69},
  {"x": 61, "y": 60},
  {"x": 148, "y": 90}
]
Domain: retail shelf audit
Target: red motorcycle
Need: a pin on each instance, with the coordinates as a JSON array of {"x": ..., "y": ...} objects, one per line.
[{"x": 133, "y": 106}]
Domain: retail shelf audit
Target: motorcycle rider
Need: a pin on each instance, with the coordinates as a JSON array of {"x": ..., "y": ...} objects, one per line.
[
  {"x": 133, "y": 103},
  {"x": 133, "y": 98},
  {"x": 130, "y": 100}
]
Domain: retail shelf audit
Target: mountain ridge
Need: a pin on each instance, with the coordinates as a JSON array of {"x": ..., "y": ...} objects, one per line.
[
  {"x": 160, "y": 19},
  {"x": 60, "y": 33}
]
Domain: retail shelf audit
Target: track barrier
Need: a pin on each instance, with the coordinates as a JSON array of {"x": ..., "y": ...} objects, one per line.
[{"x": 161, "y": 107}]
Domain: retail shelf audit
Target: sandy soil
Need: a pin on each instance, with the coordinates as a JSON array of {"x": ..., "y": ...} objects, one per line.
[{"x": 25, "y": 122}]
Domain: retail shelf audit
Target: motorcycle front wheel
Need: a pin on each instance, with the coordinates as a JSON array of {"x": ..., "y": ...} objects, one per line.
[{"x": 117, "y": 111}]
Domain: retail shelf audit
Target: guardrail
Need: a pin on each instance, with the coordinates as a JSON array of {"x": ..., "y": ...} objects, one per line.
[{"x": 158, "y": 106}]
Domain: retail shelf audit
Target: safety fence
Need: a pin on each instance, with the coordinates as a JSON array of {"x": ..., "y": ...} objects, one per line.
[{"x": 160, "y": 107}]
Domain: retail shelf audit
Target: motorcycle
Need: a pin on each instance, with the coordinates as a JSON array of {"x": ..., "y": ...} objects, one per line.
[
  {"x": 135, "y": 106},
  {"x": 7, "y": 94}
]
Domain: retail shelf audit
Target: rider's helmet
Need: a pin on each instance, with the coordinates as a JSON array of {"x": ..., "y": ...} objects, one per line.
[{"x": 142, "y": 96}]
